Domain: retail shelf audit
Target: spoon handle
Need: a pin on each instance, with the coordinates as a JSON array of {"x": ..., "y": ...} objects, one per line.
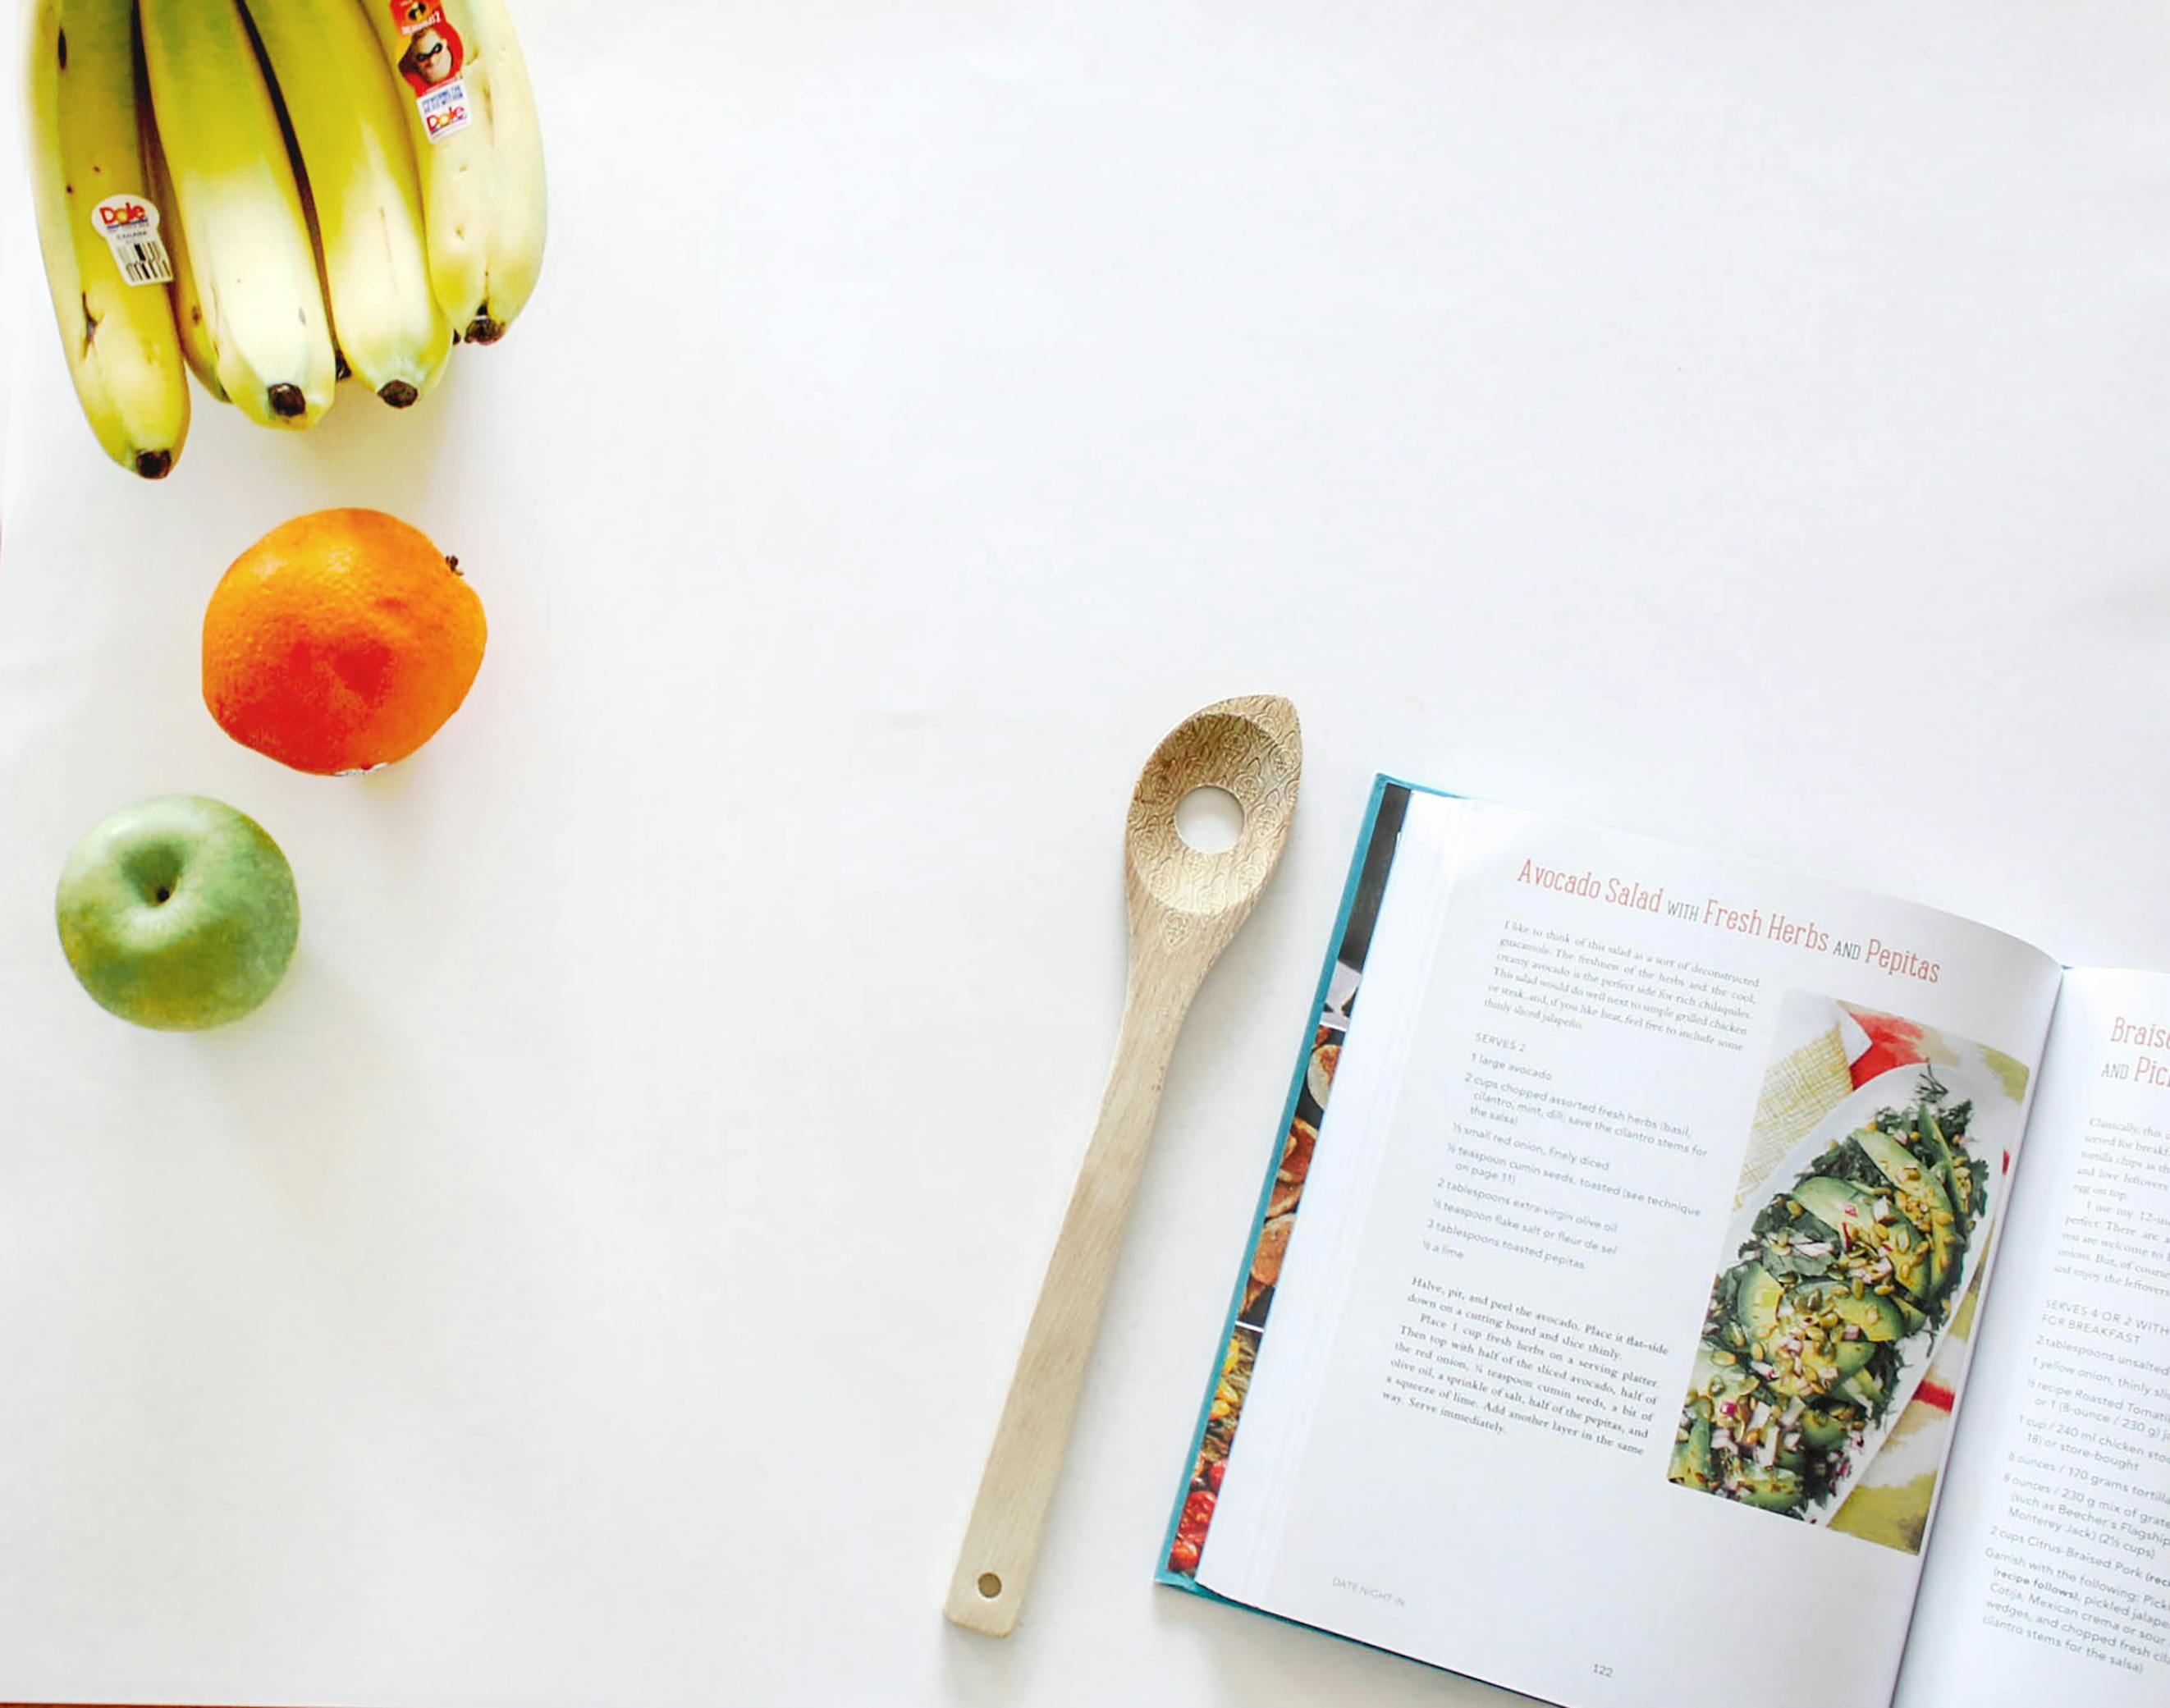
[{"x": 1002, "y": 1540}]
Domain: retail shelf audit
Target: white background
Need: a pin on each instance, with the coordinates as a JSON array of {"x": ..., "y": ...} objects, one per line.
[{"x": 594, "y": 1277}]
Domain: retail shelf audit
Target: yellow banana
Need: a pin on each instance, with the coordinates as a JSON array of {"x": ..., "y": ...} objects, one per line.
[
  {"x": 360, "y": 168},
  {"x": 479, "y": 152},
  {"x": 187, "y": 307},
  {"x": 519, "y": 206},
  {"x": 454, "y": 164},
  {"x": 86, "y": 152},
  {"x": 249, "y": 241}
]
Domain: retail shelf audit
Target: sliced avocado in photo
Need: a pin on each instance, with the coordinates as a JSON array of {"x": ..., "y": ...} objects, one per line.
[
  {"x": 1797, "y": 1385},
  {"x": 1717, "y": 1378},
  {"x": 1851, "y": 1356},
  {"x": 1907, "y": 1245},
  {"x": 1922, "y": 1184},
  {"x": 1760, "y": 1294},
  {"x": 1957, "y": 1170},
  {"x": 1865, "y": 1389},
  {"x": 1821, "y": 1431},
  {"x": 1691, "y": 1458},
  {"x": 1776, "y": 1489},
  {"x": 1807, "y": 1225},
  {"x": 1838, "y": 1204},
  {"x": 1877, "y": 1318}
]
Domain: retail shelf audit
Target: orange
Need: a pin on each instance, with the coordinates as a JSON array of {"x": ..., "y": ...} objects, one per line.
[{"x": 340, "y": 641}]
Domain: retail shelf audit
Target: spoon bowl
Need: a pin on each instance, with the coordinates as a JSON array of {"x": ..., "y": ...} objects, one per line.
[{"x": 1253, "y": 747}]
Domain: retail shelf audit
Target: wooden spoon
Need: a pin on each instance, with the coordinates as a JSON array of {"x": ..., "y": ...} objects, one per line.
[{"x": 1185, "y": 905}]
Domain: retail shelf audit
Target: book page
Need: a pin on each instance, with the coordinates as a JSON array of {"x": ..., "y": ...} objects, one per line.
[
  {"x": 1603, "y": 1363},
  {"x": 2050, "y": 1578}
]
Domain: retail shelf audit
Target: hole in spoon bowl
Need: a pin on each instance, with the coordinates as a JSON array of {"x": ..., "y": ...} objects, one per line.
[{"x": 1209, "y": 819}]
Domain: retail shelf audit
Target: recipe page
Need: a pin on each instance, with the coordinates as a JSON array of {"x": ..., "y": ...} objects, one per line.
[
  {"x": 1654, "y": 1198},
  {"x": 2050, "y": 1578}
]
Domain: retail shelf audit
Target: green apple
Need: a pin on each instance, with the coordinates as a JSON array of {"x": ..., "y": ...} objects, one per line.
[{"x": 178, "y": 913}]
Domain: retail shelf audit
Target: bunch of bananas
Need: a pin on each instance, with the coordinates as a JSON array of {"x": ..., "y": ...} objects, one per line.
[{"x": 277, "y": 195}]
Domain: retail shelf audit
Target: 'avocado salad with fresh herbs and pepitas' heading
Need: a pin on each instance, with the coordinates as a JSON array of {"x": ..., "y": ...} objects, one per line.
[{"x": 1807, "y": 1330}]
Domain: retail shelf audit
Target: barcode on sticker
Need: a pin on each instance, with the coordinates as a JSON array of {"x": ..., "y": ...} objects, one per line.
[
  {"x": 130, "y": 226},
  {"x": 148, "y": 264}
]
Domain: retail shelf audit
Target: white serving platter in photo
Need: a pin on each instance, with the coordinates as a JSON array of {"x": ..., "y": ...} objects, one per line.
[{"x": 1990, "y": 1139}]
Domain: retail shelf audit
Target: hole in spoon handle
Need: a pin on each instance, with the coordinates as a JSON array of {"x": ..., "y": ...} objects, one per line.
[{"x": 987, "y": 1601}]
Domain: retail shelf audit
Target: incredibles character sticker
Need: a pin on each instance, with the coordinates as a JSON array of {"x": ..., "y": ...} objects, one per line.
[{"x": 432, "y": 63}]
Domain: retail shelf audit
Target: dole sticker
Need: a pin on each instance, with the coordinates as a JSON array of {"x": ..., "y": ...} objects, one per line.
[{"x": 130, "y": 226}]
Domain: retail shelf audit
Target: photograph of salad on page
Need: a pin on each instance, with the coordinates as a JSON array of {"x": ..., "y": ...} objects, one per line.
[{"x": 1836, "y": 1339}]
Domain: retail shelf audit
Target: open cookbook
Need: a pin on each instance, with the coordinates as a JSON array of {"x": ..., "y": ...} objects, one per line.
[{"x": 1618, "y": 1325}]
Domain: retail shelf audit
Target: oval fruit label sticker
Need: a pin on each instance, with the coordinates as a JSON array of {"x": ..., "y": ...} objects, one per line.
[{"x": 130, "y": 226}]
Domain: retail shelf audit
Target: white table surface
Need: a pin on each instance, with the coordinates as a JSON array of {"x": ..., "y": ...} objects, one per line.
[{"x": 593, "y": 1277}]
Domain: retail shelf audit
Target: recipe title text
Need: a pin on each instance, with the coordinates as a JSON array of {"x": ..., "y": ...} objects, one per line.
[
  {"x": 1725, "y": 914},
  {"x": 2149, "y": 1061}
]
